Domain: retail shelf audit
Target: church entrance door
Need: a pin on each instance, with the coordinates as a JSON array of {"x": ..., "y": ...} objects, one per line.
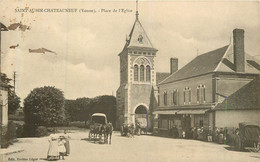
[{"x": 141, "y": 117}]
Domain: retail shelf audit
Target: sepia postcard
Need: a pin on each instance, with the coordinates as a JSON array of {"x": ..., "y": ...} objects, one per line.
[{"x": 129, "y": 80}]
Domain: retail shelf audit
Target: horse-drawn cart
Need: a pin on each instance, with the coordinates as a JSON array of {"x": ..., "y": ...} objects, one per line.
[
  {"x": 99, "y": 126},
  {"x": 96, "y": 128},
  {"x": 248, "y": 138}
]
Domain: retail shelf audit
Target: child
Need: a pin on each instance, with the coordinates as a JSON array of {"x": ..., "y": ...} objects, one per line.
[{"x": 61, "y": 147}]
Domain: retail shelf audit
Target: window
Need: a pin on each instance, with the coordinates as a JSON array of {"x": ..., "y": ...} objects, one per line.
[
  {"x": 164, "y": 123},
  {"x": 158, "y": 97},
  {"x": 165, "y": 98},
  {"x": 175, "y": 97},
  {"x": 142, "y": 73},
  {"x": 187, "y": 95},
  {"x": 204, "y": 94},
  {"x": 198, "y": 94},
  {"x": 148, "y": 73},
  {"x": 201, "y": 123},
  {"x": 201, "y": 94},
  {"x": 136, "y": 73}
]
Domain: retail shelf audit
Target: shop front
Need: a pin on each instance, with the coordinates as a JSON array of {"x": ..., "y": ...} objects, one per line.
[{"x": 179, "y": 123}]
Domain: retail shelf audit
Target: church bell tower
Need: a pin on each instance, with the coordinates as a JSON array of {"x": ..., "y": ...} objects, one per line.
[{"x": 137, "y": 78}]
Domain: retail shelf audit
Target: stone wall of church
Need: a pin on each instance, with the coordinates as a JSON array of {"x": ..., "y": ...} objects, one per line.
[
  {"x": 121, "y": 100},
  {"x": 123, "y": 68},
  {"x": 139, "y": 94}
]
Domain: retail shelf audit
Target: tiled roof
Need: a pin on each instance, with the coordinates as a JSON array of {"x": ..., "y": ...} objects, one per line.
[
  {"x": 245, "y": 98},
  {"x": 161, "y": 76},
  {"x": 202, "y": 64}
]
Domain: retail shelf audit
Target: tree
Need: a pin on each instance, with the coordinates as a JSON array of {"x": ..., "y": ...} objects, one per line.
[
  {"x": 13, "y": 99},
  {"x": 82, "y": 108},
  {"x": 104, "y": 104},
  {"x": 13, "y": 102},
  {"x": 44, "y": 107}
]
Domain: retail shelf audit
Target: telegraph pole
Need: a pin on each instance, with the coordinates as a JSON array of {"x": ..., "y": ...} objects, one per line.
[{"x": 14, "y": 80}]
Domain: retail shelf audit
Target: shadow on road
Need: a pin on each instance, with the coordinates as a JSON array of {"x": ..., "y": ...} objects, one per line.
[
  {"x": 94, "y": 141},
  {"x": 231, "y": 148}
]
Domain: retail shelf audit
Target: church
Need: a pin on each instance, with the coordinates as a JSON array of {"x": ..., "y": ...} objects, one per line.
[{"x": 136, "y": 93}]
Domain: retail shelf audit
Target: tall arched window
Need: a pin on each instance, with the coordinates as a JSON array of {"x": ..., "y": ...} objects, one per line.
[
  {"x": 136, "y": 73},
  {"x": 142, "y": 73},
  {"x": 148, "y": 73}
]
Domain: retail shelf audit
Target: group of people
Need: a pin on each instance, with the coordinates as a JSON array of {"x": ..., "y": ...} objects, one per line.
[
  {"x": 191, "y": 133},
  {"x": 59, "y": 147}
]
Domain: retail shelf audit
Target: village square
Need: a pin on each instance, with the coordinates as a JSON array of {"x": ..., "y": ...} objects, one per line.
[{"x": 205, "y": 107}]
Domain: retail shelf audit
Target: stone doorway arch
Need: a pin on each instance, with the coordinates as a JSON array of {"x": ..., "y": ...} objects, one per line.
[{"x": 141, "y": 117}]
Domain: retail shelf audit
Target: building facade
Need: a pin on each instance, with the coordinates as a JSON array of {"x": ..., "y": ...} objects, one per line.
[{"x": 188, "y": 97}]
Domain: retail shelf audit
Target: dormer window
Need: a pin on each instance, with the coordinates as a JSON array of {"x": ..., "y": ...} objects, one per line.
[{"x": 140, "y": 38}]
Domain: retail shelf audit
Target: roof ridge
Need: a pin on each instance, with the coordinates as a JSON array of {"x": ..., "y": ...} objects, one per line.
[
  {"x": 212, "y": 51},
  {"x": 200, "y": 65},
  {"x": 222, "y": 58}
]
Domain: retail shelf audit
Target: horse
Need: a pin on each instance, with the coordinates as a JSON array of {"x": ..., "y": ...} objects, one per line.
[
  {"x": 96, "y": 130},
  {"x": 108, "y": 130}
]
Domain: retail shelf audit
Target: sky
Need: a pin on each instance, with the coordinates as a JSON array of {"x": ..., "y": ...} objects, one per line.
[{"x": 87, "y": 44}]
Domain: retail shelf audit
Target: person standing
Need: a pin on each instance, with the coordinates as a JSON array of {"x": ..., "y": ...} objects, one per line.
[
  {"x": 53, "y": 153},
  {"x": 237, "y": 141},
  {"x": 67, "y": 143},
  {"x": 61, "y": 147}
]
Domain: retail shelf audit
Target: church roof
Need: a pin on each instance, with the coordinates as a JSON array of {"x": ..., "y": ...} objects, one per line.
[{"x": 138, "y": 37}]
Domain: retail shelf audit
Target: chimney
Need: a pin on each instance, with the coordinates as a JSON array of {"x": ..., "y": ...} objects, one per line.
[
  {"x": 239, "y": 50},
  {"x": 173, "y": 65}
]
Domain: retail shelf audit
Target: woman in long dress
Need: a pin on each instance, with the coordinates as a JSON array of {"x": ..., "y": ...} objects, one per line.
[
  {"x": 53, "y": 152},
  {"x": 67, "y": 144}
]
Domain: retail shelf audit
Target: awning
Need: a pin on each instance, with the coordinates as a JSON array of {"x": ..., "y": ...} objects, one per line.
[
  {"x": 192, "y": 111},
  {"x": 166, "y": 112}
]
